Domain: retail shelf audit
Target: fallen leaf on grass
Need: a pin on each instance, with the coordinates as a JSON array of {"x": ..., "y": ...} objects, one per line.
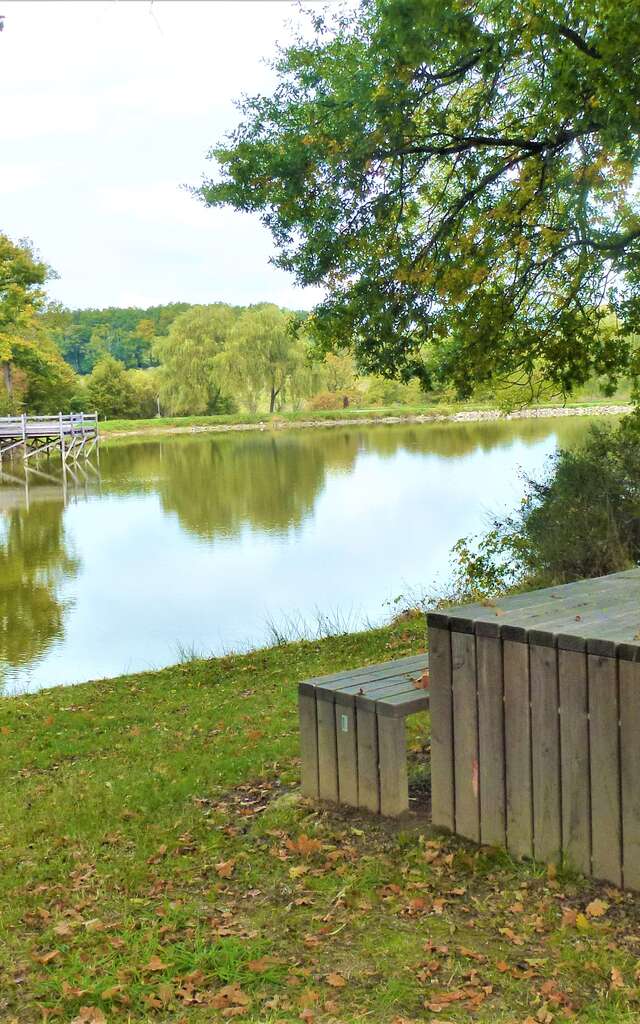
[
  {"x": 617, "y": 981},
  {"x": 262, "y": 965},
  {"x": 336, "y": 980},
  {"x": 156, "y": 857},
  {"x": 46, "y": 958},
  {"x": 89, "y": 1015},
  {"x": 155, "y": 964},
  {"x": 228, "y": 997},
  {"x": 70, "y": 992},
  {"x": 597, "y": 908},
  {"x": 225, "y": 868},
  {"x": 111, "y": 993},
  {"x": 63, "y": 930},
  {"x": 304, "y": 845}
]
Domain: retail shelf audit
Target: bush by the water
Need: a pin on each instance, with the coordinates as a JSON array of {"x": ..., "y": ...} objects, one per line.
[{"x": 581, "y": 519}]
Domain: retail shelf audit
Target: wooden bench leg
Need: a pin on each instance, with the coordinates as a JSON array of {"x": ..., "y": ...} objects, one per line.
[
  {"x": 368, "y": 777},
  {"x": 392, "y": 752},
  {"x": 327, "y": 751},
  {"x": 347, "y": 754},
  {"x": 308, "y": 745}
]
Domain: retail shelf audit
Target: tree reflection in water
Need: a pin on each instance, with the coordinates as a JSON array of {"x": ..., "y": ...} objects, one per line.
[{"x": 34, "y": 561}]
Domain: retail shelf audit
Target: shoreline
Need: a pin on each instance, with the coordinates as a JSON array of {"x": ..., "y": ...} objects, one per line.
[{"x": 463, "y": 416}]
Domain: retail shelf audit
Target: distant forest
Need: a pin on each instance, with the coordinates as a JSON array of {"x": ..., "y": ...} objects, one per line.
[{"x": 84, "y": 336}]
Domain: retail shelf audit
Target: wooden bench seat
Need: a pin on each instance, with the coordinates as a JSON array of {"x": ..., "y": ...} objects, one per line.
[{"x": 353, "y": 736}]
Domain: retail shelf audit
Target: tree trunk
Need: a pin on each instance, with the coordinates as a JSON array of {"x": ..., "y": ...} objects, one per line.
[
  {"x": 7, "y": 376},
  {"x": 274, "y": 395}
]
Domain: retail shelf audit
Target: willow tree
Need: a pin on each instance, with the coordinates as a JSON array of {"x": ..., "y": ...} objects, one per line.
[
  {"x": 461, "y": 178},
  {"x": 189, "y": 375},
  {"x": 263, "y": 356}
]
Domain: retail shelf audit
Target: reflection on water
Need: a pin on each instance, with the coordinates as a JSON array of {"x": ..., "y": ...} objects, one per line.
[{"x": 192, "y": 542}]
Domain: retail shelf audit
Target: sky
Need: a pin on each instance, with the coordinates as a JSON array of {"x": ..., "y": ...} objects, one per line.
[{"x": 108, "y": 109}]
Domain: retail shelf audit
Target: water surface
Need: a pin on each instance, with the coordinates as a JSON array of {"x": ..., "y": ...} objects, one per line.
[{"x": 191, "y": 544}]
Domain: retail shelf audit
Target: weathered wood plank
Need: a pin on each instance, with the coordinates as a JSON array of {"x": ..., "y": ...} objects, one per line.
[
  {"x": 606, "y": 838},
  {"x": 327, "y": 752},
  {"x": 545, "y": 750},
  {"x": 491, "y": 741},
  {"x": 574, "y": 759},
  {"x": 392, "y": 754},
  {"x": 517, "y": 725},
  {"x": 441, "y": 702},
  {"x": 465, "y": 730},
  {"x": 308, "y": 744},
  {"x": 629, "y": 674},
  {"x": 368, "y": 777},
  {"x": 347, "y": 677},
  {"x": 346, "y": 745}
]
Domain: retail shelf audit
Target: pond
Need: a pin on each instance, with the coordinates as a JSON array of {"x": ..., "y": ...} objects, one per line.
[{"x": 202, "y": 544}]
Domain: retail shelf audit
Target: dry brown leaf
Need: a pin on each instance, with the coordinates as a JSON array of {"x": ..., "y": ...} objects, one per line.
[
  {"x": 422, "y": 682},
  {"x": 155, "y": 964},
  {"x": 305, "y": 845},
  {"x": 262, "y": 965},
  {"x": 597, "y": 908},
  {"x": 336, "y": 980},
  {"x": 111, "y": 993},
  {"x": 46, "y": 958},
  {"x": 63, "y": 930},
  {"x": 225, "y": 868},
  {"x": 89, "y": 1015}
]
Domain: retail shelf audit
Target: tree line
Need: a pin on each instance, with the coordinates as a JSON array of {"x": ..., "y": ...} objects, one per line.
[{"x": 175, "y": 359}]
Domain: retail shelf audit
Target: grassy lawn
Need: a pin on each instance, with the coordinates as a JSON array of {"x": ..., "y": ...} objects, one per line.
[
  {"x": 157, "y": 864},
  {"x": 377, "y": 413}
]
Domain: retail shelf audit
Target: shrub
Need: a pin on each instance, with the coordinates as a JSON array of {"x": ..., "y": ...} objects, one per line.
[
  {"x": 582, "y": 519},
  {"x": 326, "y": 400}
]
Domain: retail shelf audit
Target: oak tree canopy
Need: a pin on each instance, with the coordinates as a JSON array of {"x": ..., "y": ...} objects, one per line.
[{"x": 461, "y": 176}]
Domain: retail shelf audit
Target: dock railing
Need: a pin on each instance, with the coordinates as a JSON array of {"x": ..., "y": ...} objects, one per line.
[{"x": 71, "y": 434}]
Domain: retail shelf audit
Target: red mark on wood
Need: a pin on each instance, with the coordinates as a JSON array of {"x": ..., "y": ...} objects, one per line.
[{"x": 474, "y": 776}]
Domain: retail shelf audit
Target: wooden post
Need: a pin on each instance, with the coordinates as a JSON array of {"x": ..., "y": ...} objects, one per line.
[
  {"x": 606, "y": 838},
  {"x": 392, "y": 752},
  {"x": 441, "y": 705},
  {"x": 545, "y": 754},
  {"x": 630, "y": 769},
  {"x": 327, "y": 749},
  {"x": 308, "y": 741},
  {"x": 517, "y": 726},
  {"x": 574, "y": 759},
  {"x": 23, "y": 420},
  {"x": 347, "y": 750},
  {"x": 62, "y": 442},
  {"x": 465, "y": 730},
  {"x": 493, "y": 815},
  {"x": 368, "y": 777}
]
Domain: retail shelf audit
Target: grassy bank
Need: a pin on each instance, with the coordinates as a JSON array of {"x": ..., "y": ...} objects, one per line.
[
  {"x": 173, "y": 424},
  {"x": 157, "y": 864}
]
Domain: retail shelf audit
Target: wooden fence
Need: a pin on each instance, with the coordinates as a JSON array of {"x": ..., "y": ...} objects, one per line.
[{"x": 535, "y": 717}]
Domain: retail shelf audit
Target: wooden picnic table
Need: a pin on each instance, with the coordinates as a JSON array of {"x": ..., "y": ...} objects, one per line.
[
  {"x": 535, "y": 719},
  {"x": 353, "y": 735}
]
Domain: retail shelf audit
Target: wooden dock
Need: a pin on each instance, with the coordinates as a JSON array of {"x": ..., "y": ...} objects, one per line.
[
  {"x": 535, "y": 717},
  {"x": 71, "y": 436}
]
